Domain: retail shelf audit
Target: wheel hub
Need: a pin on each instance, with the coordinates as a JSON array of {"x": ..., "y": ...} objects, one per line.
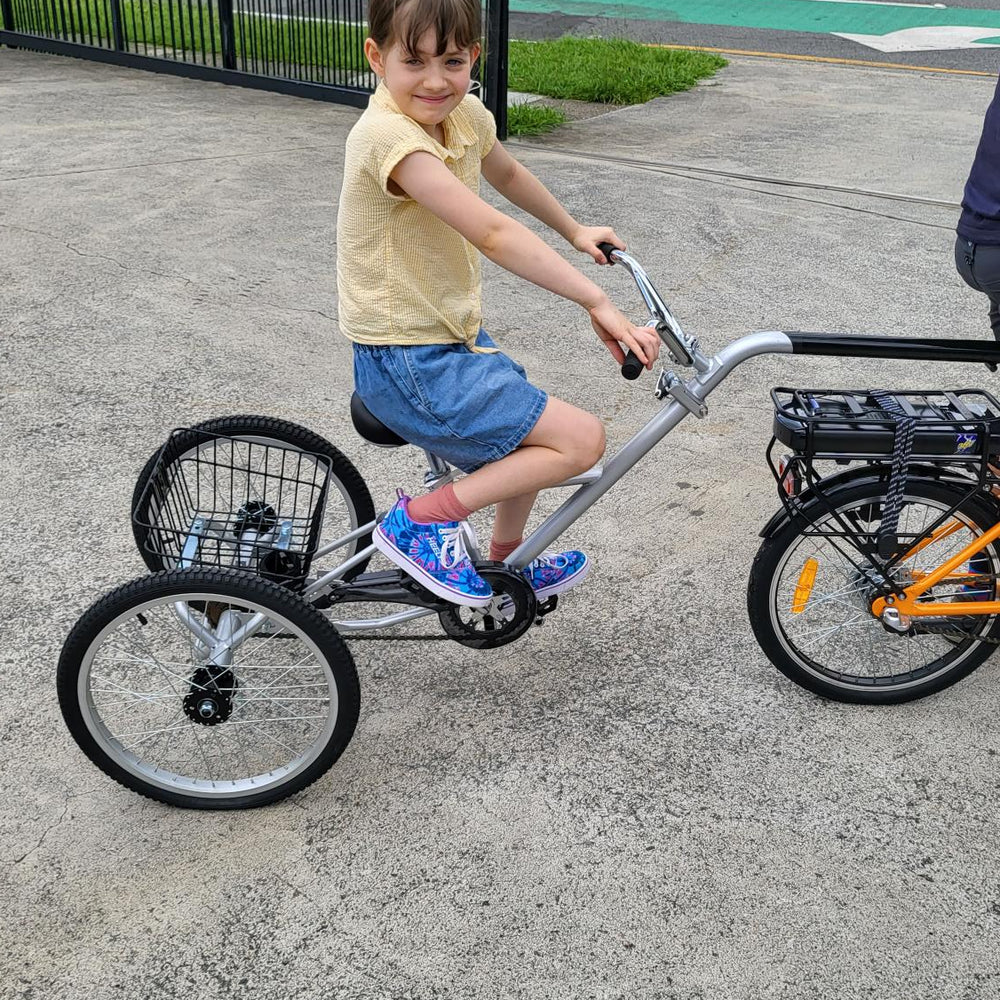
[{"x": 209, "y": 700}]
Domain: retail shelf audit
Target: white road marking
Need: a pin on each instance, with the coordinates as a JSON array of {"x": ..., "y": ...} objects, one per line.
[{"x": 926, "y": 39}]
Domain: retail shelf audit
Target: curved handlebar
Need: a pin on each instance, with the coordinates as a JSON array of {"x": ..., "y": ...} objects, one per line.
[{"x": 682, "y": 350}]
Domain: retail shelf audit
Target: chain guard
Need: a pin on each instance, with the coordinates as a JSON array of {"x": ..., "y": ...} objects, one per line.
[{"x": 505, "y": 619}]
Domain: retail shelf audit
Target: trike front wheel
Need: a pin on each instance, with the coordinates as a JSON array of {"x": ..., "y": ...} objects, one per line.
[
  {"x": 211, "y": 689},
  {"x": 810, "y": 594}
]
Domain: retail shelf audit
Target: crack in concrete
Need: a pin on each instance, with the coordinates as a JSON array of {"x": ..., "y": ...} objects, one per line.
[
  {"x": 41, "y": 840},
  {"x": 99, "y": 256},
  {"x": 318, "y": 312},
  {"x": 69, "y": 797},
  {"x": 725, "y": 179}
]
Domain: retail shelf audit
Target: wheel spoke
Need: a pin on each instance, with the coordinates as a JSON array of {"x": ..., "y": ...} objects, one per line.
[
  {"x": 824, "y": 621},
  {"x": 268, "y": 704}
]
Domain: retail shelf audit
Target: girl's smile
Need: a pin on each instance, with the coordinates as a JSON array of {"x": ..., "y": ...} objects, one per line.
[{"x": 426, "y": 86}]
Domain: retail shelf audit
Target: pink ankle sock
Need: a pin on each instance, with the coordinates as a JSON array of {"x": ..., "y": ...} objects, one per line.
[
  {"x": 500, "y": 550},
  {"x": 441, "y": 505}
]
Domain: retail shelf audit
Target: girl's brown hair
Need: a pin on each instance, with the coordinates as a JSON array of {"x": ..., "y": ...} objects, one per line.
[{"x": 458, "y": 22}]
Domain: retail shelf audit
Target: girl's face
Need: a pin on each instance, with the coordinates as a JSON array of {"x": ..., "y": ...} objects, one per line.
[{"x": 426, "y": 87}]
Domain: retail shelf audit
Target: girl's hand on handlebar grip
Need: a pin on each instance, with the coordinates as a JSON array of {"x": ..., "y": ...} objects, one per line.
[
  {"x": 614, "y": 329},
  {"x": 586, "y": 238}
]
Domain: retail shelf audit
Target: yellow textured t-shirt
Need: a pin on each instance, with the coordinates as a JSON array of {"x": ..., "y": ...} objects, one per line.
[{"x": 403, "y": 275}]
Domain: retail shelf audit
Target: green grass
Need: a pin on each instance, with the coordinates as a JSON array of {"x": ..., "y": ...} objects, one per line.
[
  {"x": 533, "y": 119},
  {"x": 606, "y": 71}
]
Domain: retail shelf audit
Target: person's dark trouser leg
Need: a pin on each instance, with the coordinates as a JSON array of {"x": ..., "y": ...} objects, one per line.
[
  {"x": 965, "y": 256},
  {"x": 979, "y": 266},
  {"x": 995, "y": 315}
]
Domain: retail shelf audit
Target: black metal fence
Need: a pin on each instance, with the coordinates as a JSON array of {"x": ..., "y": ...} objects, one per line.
[{"x": 311, "y": 48}]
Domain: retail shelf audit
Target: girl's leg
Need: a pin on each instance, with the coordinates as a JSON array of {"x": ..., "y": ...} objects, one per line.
[
  {"x": 511, "y": 517},
  {"x": 563, "y": 443},
  {"x": 508, "y": 525}
]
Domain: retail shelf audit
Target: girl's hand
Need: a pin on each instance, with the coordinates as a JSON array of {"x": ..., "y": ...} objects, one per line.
[
  {"x": 586, "y": 238},
  {"x": 614, "y": 329}
]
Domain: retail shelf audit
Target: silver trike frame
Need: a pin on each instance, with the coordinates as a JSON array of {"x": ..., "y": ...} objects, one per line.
[{"x": 686, "y": 398}]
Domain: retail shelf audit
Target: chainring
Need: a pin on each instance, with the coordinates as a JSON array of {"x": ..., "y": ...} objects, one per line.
[{"x": 505, "y": 619}]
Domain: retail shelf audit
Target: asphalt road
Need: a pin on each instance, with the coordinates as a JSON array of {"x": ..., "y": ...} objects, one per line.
[{"x": 790, "y": 27}]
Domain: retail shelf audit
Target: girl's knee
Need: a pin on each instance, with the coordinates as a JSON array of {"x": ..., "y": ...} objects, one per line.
[
  {"x": 600, "y": 441},
  {"x": 577, "y": 436},
  {"x": 590, "y": 444}
]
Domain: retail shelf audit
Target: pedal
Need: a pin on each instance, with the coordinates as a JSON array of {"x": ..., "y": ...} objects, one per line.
[{"x": 546, "y": 607}]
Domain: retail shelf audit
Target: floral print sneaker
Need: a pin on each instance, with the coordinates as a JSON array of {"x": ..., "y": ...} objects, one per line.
[
  {"x": 553, "y": 572},
  {"x": 433, "y": 554}
]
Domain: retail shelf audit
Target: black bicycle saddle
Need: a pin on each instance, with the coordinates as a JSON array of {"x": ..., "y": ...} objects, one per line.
[{"x": 370, "y": 427}]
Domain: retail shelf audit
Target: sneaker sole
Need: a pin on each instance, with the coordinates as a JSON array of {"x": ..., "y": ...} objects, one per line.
[
  {"x": 424, "y": 578},
  {"x": 564, "y": 585}
]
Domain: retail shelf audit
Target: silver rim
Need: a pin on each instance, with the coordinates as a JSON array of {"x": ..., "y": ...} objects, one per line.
[
  {"x": 836, "y": 638},
  {"x": 137, "y": 674}
]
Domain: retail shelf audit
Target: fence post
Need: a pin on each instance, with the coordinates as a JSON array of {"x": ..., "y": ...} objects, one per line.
[
  {"x": 228, "y": 34},
  {"x": 7, "y": 9},
  {"x": 497, "y": 41},
  {"x": 116, "y": 24}
]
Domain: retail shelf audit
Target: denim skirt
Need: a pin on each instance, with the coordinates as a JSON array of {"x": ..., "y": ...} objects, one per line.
[{"x": 469, "y": 409}]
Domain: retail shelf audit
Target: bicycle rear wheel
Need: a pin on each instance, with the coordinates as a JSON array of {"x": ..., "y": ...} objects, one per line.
[
  {"x": 162, "y": 692},
  {"x": 827, "y": 640}
]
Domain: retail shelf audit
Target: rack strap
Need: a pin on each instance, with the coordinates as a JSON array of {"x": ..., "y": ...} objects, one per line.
[{"x": 902, "y": 447}]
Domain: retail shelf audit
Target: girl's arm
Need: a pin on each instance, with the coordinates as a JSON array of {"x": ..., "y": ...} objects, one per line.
[
  {"x": 522, "y": 188},
  {"x": 517, "y": 249}
]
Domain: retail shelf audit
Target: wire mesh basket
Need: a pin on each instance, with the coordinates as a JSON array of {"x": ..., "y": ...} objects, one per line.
[{"x": 215, "y": 501}]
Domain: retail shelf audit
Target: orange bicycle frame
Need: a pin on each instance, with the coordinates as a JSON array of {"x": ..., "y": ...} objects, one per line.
[{"x": 906, "y": 602}]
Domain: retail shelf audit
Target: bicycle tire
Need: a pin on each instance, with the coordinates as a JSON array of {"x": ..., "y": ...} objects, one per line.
[
  {"x": 344, "y": 477},
  {"x": 776, "y": 635},
  {"x": 100, "y": 691}
]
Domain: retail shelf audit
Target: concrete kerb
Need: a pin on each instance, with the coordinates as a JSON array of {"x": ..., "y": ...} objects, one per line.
[{"x": 628, "y": 802}]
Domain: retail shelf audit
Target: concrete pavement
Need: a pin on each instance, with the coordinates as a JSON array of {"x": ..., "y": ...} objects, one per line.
[{"x": 629, "y": 802}]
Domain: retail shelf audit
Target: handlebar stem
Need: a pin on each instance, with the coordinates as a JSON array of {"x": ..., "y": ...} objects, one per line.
[{"x": 683, "y": 349}]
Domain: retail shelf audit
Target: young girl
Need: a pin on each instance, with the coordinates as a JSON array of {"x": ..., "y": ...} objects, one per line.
[{"x": 410, "y": 228}]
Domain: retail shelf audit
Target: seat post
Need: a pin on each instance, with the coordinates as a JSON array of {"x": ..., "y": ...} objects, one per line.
[{"x": 437, "y": 469}]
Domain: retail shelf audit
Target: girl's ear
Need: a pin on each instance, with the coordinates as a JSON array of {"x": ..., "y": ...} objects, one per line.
[
  {"x": 374, "y": 57},
  {"x": 474, "y": 52}
]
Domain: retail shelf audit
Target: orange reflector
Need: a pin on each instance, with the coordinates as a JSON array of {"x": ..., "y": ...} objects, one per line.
[
  {"x": 786, "y": 475},
  {"x": 804, "y": 587}
]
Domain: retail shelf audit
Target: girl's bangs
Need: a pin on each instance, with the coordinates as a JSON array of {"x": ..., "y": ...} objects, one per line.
[{"x": 456, "y": 22}]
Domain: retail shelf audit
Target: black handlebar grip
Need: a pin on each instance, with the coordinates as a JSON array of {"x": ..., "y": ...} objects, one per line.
[
  {"x": 606, "y": 249},
  {"x": 633, "y": 367}
]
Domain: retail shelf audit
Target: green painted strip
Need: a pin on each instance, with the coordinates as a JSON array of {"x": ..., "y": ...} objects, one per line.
[{"x": 777, "y": 15}]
